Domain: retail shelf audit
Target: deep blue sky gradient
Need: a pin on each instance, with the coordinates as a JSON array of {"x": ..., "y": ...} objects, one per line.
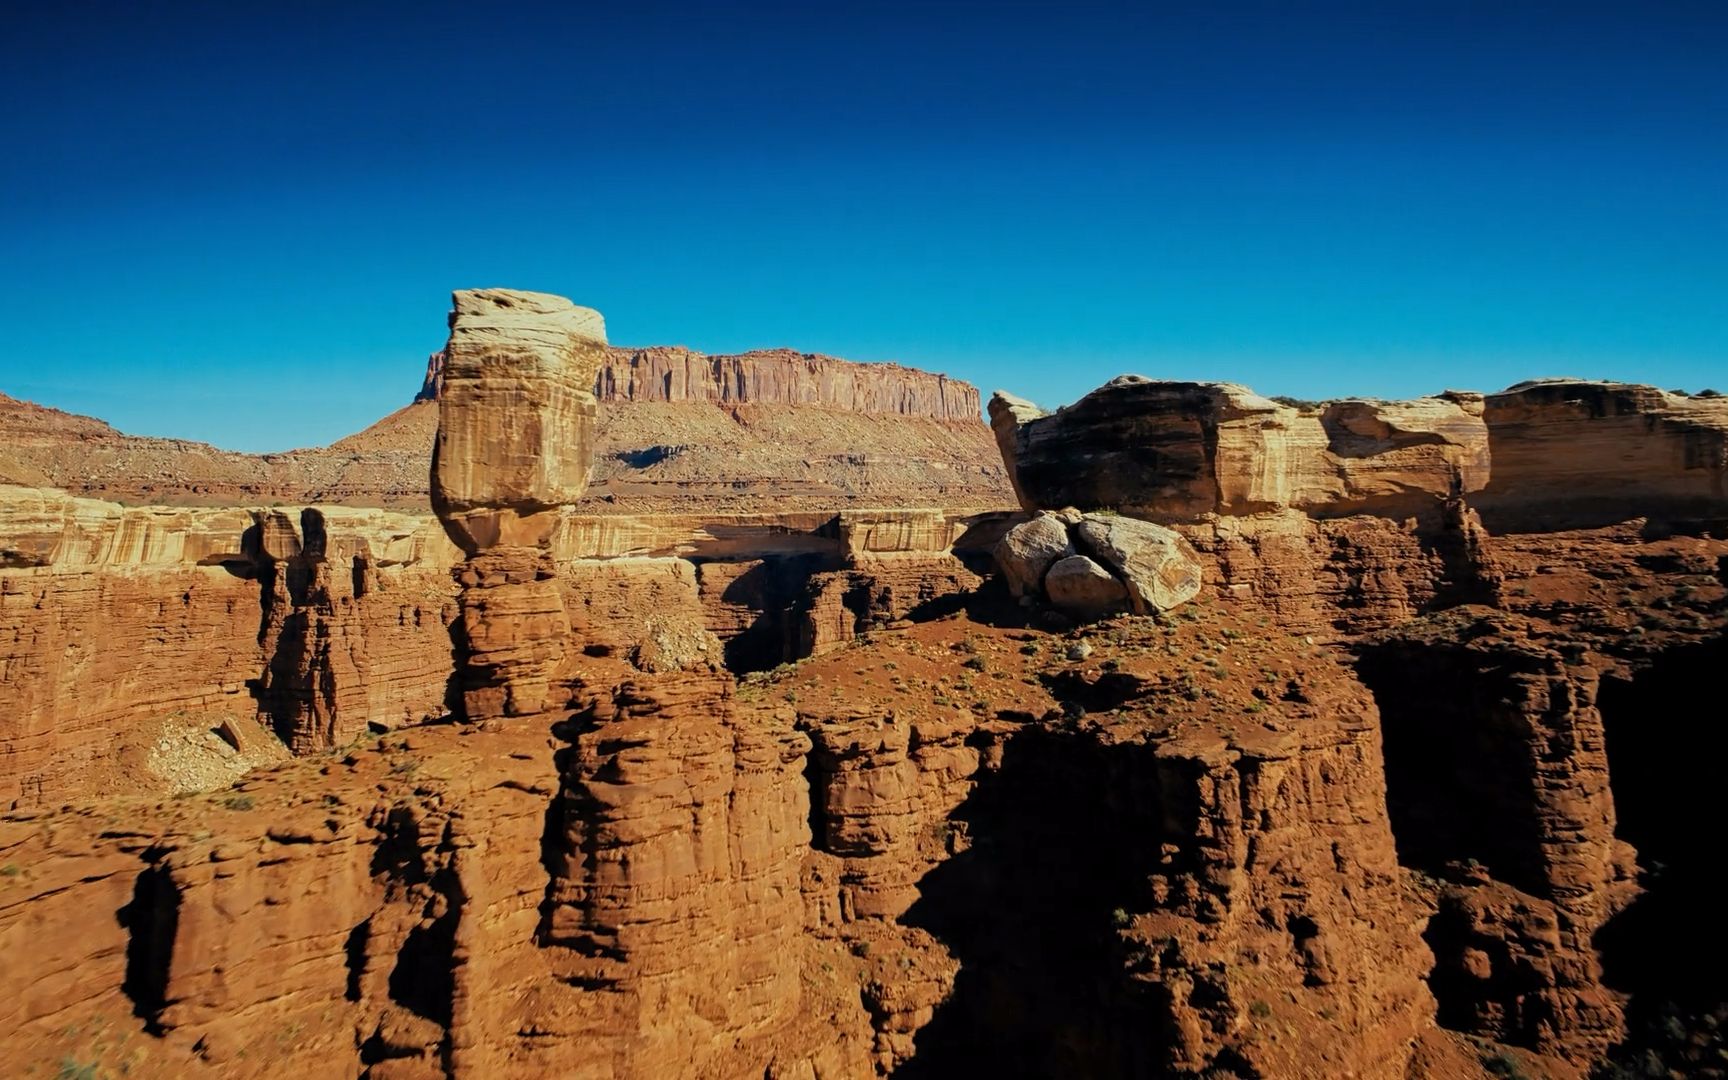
[{"x": 241, "y": 222}]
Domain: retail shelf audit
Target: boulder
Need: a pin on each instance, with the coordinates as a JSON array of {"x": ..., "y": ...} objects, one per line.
[
  {"x": 1028, "y": 550},
  {"x": 1157, "y": 565},
  {"x": 1082, "y": 588},
  {"x": 515, "y": 415}
]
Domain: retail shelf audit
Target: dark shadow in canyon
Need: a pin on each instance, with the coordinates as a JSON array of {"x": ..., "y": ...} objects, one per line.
[
  {"x": 1669, "y": 950},
  {"x": 1457, "y": 748},
  {"x": 1062, "y": 837},
  {"x": 772, "y": 591},
  {"x": 152, "y": 921}
]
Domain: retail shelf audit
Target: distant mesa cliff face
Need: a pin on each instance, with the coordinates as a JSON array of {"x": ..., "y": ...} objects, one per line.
[
  {"x": 1178, "y": 450},
  {"x": 783, "y": 377},
  {"x": 674, "y": 374},
  {"x": 676, "y": 429},
  {"x": 1413, "y": 785}
]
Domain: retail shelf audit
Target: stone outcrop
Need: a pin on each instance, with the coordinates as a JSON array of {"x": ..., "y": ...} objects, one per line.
[
  {"x": 165, "y": 616},
  {"x": 1178, "y": 450},
  {"x": 771, "y": 430},
  {"x": 1539, "y": 455},
  {"x": 1027, "y": 552},
  {"x": 1080, "y": 586},
  {"x": 1569, "y": 452},
  {"x": 782, "y": 377},
  {"x": 1397, "y": 797},
  {"x": 515, "y": 436},
  {"x": 1088, "y": 565},
  {"x": 515, "y": 417}
]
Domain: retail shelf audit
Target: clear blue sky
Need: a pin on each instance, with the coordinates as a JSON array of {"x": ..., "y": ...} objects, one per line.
[{"x": 240, "y": 222}]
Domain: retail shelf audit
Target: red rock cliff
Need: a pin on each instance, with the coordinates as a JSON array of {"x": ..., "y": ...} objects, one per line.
[
  {"x": 672, "y": 374},
  {"x": 783, "y": 377}
]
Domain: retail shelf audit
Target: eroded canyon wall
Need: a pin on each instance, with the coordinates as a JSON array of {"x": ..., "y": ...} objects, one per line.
[{"x": 1391, "y": 780}]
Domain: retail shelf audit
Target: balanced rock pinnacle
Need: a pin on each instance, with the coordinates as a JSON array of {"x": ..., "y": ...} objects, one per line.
[
  {"x": 515, "y": 440},
  {"x": 515, "y": 415}
]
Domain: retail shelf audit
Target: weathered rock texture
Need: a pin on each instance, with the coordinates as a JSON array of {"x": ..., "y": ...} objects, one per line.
[
  {"x": 1177, "y": 450},
  {"x": 1569, "y": 453},
  {"x": 783, "y": 377},
  {"x": 515, "y": 435},
  {"x": 1122, "y": 564},
  {"x": 1395, "y": 796},
  {"x": 116, "y": 621},
  {"x": 1541, "y": 453},
  {"x": 163, "y": 616}
]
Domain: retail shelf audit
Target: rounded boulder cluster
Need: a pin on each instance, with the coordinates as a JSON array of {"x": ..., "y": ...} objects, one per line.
[{"x": 1089, "y": 565}]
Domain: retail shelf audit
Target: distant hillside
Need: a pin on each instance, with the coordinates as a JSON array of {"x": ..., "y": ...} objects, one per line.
[{"x": 678, "y": 430}]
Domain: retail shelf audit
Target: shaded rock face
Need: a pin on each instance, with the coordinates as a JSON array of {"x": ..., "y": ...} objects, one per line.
[{"x": 1126, "y": 564}]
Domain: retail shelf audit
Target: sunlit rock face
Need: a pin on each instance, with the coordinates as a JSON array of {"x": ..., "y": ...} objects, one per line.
[
  {"x": 1178, "y": 450},
  {"x": 515, "y": 439},
  {"x": 515, "y": 415}
]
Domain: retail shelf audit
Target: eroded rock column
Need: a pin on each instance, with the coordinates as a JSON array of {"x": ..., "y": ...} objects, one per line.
[{"x": 515, "y": 438}]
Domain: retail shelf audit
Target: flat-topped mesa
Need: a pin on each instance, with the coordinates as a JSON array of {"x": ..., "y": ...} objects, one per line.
[
  {"x": 783, "y": 377},
  {"x": 1178, "y": 450},
  {"x": 515, "y": 439}
]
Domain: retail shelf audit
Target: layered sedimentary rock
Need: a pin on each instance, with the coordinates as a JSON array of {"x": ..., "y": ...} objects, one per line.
[
  {"x": 116, "y": 622},
  {"x": 515, "y": 435},
  {"x": 1388, "y": 780},
  {"x": 1076, "y": 896},
  {"x": 1177, "y": 450},
  {"x": 1573, "y": 452},
  {"x": 1541, "y": 454},
  {"x": 772, "y": 430},
  {"x": 783, "y": 377}
]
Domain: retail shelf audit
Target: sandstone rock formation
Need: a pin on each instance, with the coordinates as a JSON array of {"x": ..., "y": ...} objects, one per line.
[
  {"x": 770, "y": 430},
  {"x": 1145, "y": 567},
  {"x": 1396, "y": 796},
  {"x": 1027, "y": 552},
  {"x": 1541, "y": 453},
  {"x": 1574, "y": 452},
  {"x": 1081, "y": 587},
  {"x": 1175, "y": 450},
  {"x": 782, "y": 377},
  {"x": 515, "y": 435}
]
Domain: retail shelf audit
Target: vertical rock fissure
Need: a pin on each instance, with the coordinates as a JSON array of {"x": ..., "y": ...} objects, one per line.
[
  {"x": 1031, "y": 910},
  {"x": 1668, "y": 949}
]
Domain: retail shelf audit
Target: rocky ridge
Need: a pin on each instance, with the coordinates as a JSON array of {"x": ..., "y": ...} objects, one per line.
[{"x": 771, "y": 429}]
